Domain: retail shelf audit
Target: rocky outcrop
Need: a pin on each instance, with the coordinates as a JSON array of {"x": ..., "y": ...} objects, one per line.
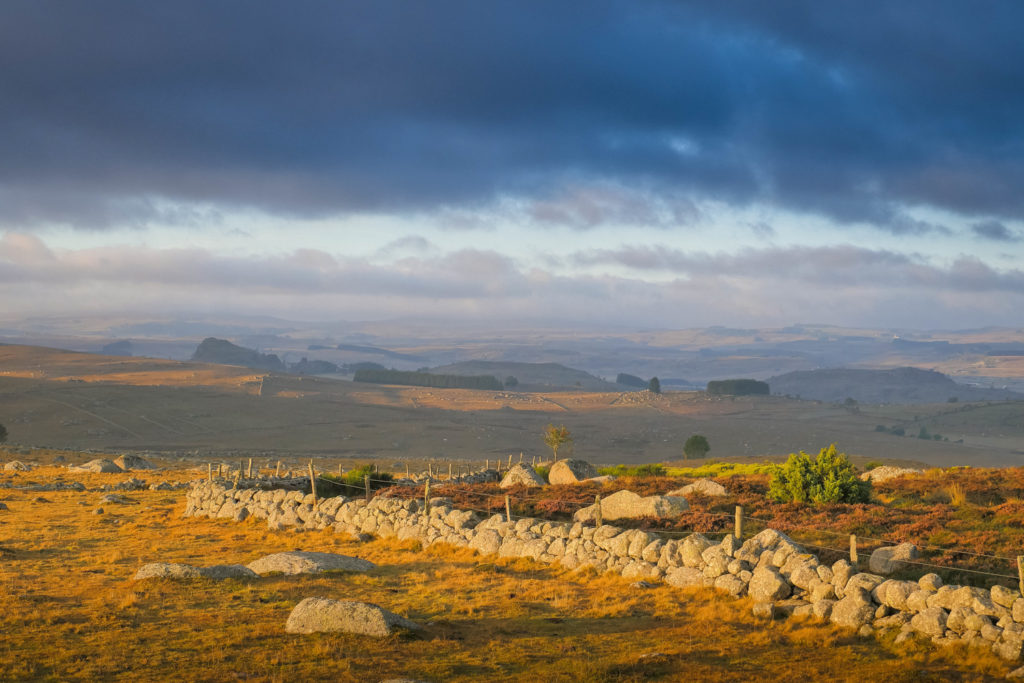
[
  {"x": 571, "y": 472},
  {"x": 886, "y": 472},
  {"x": 299, "y": 562},
  {"x": 628, "y": 505},
  {"x": 16, "y": 466},
  {"x": 168, "y": 570},
  {"x": 129, "y": 463},
  {"x": 99, "y": 465},
  {"x": 322, "y": 615},
  {"x": 521, "y": 475},
  {"x": 703, "y": 487}
]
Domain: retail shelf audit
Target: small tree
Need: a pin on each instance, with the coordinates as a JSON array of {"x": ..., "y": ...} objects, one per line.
[
  {"x": 555, "y": 438},
  {"x": 696, "y": 446},
  {"x": 3, "y": 433},
  {"x": 828, "y": 478},
  {"x": 654, "y": 386}
]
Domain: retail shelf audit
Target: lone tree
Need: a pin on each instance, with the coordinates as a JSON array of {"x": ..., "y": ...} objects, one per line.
[
  {"x": 555, "y": 438},
  {"x": 696, "y": 446},
  {"x": 3, "y": 433},
  {"x": 654, "y": 386}
]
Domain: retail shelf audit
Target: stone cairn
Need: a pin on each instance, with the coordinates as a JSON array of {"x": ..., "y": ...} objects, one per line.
[{"x": 771, "y": 568}]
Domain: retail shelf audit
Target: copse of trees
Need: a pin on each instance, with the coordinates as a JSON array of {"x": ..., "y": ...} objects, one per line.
[
  {"x": 738, "y": 387},
  {"x": 696, "y": 446},
  {"x": 631, "y": 380},
  {"x": 426, "y": 379},
  {"x": 654, "y": 386}
]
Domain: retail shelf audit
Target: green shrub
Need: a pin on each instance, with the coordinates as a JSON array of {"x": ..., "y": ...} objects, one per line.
[
  {"x": 353, "y": 480},
  {"x": 872, "y": 465},
  {"x": 651, "y": 470},
  {"x": 542, "y": 471},
  {"x": 827, "y": 478},
  {"x": 721, "y": 469}
]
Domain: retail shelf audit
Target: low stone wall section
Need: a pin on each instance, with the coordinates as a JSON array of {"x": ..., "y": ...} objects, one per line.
[{"x": 769, "y": 567}]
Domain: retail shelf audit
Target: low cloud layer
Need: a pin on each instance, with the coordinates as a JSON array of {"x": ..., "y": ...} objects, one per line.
[{"x": 769, "y": 286}]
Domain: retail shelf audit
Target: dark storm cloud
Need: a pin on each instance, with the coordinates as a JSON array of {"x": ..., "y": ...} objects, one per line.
[
  {"x": 110, "y": 110},
  {"x": 994, "y": 230}
]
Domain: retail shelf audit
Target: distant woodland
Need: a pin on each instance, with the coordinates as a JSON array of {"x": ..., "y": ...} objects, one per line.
[{"x": 426, "y": 379}]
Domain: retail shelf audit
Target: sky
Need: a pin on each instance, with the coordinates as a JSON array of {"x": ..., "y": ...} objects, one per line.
[{"x": 602, "y": 163}]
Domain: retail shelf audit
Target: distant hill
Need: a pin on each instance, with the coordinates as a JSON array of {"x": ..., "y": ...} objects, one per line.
[
  {"x": 118, "y": 348},
  {"x": 221, "y": 351},
  {"x": 531, "y": 376},
  {"x": 898, "y": 385}
]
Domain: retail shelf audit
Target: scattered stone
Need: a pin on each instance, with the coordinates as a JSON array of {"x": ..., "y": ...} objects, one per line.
[
  {"x": 853, "y": 611},
  {"x": 118, "y": 499},
  {"x": 227, "y": 571},
  {"x": 642, "y": 585},
  {"x": 887, "y": 472},
  {"x": 930, "y": 622},
  {"x": 768, "y": 585},
  {"x": 16, "y": 466},
  {"x": 521, "y": 475},
  {"x": 98, "y": 511},
  {"x": 40, "y": 499},
  {"x": 703, "y": 487},
  {"x": 3, "y": 506},
  {"x": 302, "y": 562},
  {"x": 764, "y": 610},
  {"x": 571, "y": 472},
  {"x": 603, "y": 479},
  {"x": 322, "y": 615},
  {"x": 1016, "y": 673},
  {"x": 892, "y": 558},
  {"x": 930, "y": 582}
]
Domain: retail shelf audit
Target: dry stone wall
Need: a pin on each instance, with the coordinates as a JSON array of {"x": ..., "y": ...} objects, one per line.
[{"x": 770, "y": 567}]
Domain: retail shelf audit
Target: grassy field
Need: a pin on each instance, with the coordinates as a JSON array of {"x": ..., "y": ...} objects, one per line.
[
  {"x": 71, "y": 611},
  {"x": 82, "y": 401}
]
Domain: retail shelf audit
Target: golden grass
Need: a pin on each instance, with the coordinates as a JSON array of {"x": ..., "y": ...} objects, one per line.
[{"x": 72, "y": 612}]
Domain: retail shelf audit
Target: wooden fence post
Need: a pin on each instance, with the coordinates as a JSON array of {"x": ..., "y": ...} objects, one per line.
[
  {"x": 220, "y": 470},
  {"x": 1020, "y": 573},
  {"x": 277, "y": 472},
  {"x": 209, "y": 471},
  {"x": 407, "y": 470},
  {"x": 597, "y": 510},
  {"x": 426, "y": 498},
  {"x": 739, "y": 522},
  {"x": 449, "y": 471},
  {"x": 853, "y": 549},
  {"x": 366, "y": 481},
  {"x": 250, "y": 469},
  {"x": 312, "y": 482},
  {"x": 238, "y": 475}
]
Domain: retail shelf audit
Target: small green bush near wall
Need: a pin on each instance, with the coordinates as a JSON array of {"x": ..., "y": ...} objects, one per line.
[{"x": 827, "y": 478}]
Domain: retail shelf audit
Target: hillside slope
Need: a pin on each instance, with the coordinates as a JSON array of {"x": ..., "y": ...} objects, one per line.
[
  {"x": 898, "y": 385},
  {"x": 532, "y": 376}
]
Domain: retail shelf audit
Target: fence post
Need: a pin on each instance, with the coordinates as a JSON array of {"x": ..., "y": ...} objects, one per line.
[
  {"x": 312, "y": 482},
  {"x": 238, "y": 474},
  {"x": 426, "y": 498},
  {"x": 510, "y": 460},
  {"x": 508, "y": 509},
  {"x": 1020, "y": 573},
  {"x": 209, "y": 471},
  {"x": 366, "y": 481},
  {"x": 220, "y": 470},
  {"x": 407, "y": 470},
  {"x": 277, "y": 472},
  {"x": 449, "y": 471},
  {"x": 597, "y": 510},
  {"x": 853, "y": 549},
  {"x": 250, "y": 469},
  {"x": 739, "y": 522}
]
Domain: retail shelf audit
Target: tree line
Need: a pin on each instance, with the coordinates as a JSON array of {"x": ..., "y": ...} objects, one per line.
[{"x": 426, "y": 379}]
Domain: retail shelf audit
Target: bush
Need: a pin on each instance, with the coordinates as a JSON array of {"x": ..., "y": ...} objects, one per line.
[
  {"x": 696, "y": 446},
  {"x": 542, "y": 472},
  {"x": 353, "y": 481},
  {"x": 652, "y": 470},
  {"x": 872, "y": 465},
  {"x": 828, "y": 478}
]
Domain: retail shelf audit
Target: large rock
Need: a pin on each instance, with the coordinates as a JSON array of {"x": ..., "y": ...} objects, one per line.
[
  {"x": 767, "y": 585},
  {"x": 931, "y": 622},
  {"x": 322, "y": 615},
  {"x": 628, "y": 505},
  {"x": 521, "y": 475},
  {"x": 128, "y": 462},
  {"x": 16, "y": 466},
  {"x": 571, "y": 472},
  {"x": 892, "y": 558},
  {"x": 227, "y": 571},
  {"x": 167, "y": 570},
  {"x": 703, "y": 487},
  {"x": 99, "y": 465},
  {"x": 684, "y": 577},
  {"x": 886, "y": 472},
  {"x": 301, "y": 562},
  {"x": 854, "y": 610}
]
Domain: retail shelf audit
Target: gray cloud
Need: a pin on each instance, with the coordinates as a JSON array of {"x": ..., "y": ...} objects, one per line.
[
  {"x": 994, "y": 230},
  {"x": 115, "y": 112}
]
